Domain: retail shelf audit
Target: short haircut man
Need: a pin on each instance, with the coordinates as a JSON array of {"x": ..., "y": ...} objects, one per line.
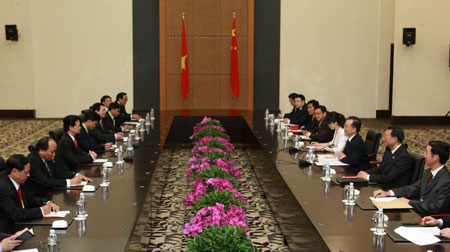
[
  {"x": 16, "y": 202},
  {"x": 433, "y": 189},
  {"x": 43, "y": 173},
  {"x": 355, "y": 153},
  {"x": 396, "y": 168}
]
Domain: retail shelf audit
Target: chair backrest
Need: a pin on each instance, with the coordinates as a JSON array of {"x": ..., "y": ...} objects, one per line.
[
  {"x": 32, "y": 146},
  {"x": 85, "y": 111},
  {"x": 82, "y": 117},
  {"x": 418, "y": 166},
  {"x": 56, "y": 134},
  {"x": 372, "y": 142},
  {"x": 2, "y": 166}
]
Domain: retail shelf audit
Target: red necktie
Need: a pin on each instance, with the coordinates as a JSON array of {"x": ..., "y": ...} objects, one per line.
[
  {"x": 430, "y": 177},
  {"x": 19, "y": 191},
  {"x": 75, "y": 142}
]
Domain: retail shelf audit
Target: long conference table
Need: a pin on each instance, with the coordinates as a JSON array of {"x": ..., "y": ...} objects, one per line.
[{"x": 113, "y": 211}]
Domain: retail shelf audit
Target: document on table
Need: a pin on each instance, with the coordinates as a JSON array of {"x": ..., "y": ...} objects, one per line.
[
  {"x": 80, "y": 184},
  {"x": 101, "y": 160},
  {"x": 392, "y": 204},
  {"x": 26, "y": 250},
  {"x": 330, "y": 159},
  {"x": 57, "y": 215},
  {"x": 385, "y": 199},
  {"x": 417, "y": 237}
]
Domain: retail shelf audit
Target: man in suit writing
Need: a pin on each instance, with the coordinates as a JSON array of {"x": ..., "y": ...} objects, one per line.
[
  {"x": 99, "y": 133},
  {"x": 122, "y": 100},
  {"x": 69, "y": 153},
  {"x": 433, "y": 189},
  {"x": 396, "y": 168},
  {"x": 320, "y": 133},
  {"x": 16, "y": 203},
  {"x": 43, "y": 174},
  {"x": 300, "y": 114},
  {"x": 354, "y": 153},
  {"x": 291, "y": 98},
  {"x": 85, "y": 139}
]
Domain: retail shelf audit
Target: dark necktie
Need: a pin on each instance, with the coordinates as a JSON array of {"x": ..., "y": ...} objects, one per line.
[
  {"x": 430, "y": 177},
  {"x": 101, "y": 125},
  {"x": 48, "y": 169},
  {"x": 75, "y": 142},
  {"x": 19, "y": 191}
]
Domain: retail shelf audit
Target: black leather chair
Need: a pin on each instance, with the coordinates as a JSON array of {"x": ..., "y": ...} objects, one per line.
[
  {"x": 85, "y": 111},
  {"x": 32, "y": 146},
  {"x": 82, "y": 117},
  {"x": 56, "y": 134},
  {"x": 418, "y": 167},
  {"x": 2, "y": 166},
  {"x": 372, "y": 143}
]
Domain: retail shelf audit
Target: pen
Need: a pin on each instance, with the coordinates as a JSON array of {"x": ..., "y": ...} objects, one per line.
[{"x": 417, "y": 219}]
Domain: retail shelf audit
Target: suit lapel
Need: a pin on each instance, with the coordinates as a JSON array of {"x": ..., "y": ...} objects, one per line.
[
  {"x": 14, "y": 191},
  {"x": 435, "y": 180}
]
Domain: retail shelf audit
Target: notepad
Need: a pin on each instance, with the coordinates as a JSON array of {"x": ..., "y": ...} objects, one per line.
[
  {"x": 429, "y": 230},
  {"x": 26, "y": 250},
  {"x": 57, "y": 215},
  {"x": 417, "y": 237},
  {"x": 392, "y": 204}
]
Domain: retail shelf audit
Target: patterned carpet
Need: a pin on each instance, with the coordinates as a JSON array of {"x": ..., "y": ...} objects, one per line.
[{"x": 161, "y": 221}]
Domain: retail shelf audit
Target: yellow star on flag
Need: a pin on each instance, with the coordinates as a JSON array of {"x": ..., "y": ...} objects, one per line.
[{"x": 183, "y": 62}]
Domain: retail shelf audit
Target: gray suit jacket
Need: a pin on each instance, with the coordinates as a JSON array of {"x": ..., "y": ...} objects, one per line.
[{"x": 434, "y": 198}]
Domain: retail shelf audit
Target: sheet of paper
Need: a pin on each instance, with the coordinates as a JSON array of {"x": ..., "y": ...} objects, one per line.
[
  {"x": 385, "y": 199},
  {"x": 304, "y": 137},
  {"x": 27, "y": 250},
  {"x": 101, "y": 160},
  {"x": 331, "y": 162},
  {"x": 60, "y": 214},
  {"x": 417, "y": 237},
  {"x": 80, "y": 184},
  {"x": 429, "y": 230}
]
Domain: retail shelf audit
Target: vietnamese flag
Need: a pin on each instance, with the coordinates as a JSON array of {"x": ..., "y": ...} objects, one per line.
[
  {"x": 184, "y": 65},
  {"x": 234, "y": 74}
]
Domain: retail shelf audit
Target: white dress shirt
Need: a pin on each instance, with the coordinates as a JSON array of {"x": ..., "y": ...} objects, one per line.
[{"x": 339, "y": 140}]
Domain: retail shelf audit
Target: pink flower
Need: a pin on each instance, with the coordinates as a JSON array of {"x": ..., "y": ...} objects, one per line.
[{"x": 215, "y": 215}]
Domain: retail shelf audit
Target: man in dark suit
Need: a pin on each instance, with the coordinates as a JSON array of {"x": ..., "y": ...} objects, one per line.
[
  {"x": 85, "y": 140},
  {"x": 354, "y": 153},
  {"x": 396, "y": 168},
  {"x": 321, "y": 132},
  {"x": 433, "y": 189},
  {"x": 105, "y": 101},
  {"x": 300, "y": 114},
  {"x": 312, "y": 123},
  {"x": 291, "y": 98},
  {"x": 111, "y": 122},
  {"x": 69, "y": 153},
  {"x": 16, "y": 203},
  {"x": 43, "y": 175},
  {"x": 122, "y": 100},
  {"x": 99, "y": 133}
]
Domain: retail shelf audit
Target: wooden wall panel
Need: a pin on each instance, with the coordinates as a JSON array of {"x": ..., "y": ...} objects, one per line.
[{"x": 208, "y": 29}]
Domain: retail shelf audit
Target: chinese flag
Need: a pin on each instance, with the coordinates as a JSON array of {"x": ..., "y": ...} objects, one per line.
[
  {"x": 184, "y": 65},
  {"x": 234, "y": 74}
]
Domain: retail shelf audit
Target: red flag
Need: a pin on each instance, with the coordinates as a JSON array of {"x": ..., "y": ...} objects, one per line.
[
  {"x": 184, "y": 65},
  {"x": 234, "y": 74}
]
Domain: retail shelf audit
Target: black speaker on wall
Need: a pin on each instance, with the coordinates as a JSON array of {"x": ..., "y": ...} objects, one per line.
[
  {"x": 11, "y": 32},
  {"x": 409, "y": 36}
]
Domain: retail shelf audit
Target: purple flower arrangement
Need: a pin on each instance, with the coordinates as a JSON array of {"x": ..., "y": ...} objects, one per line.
[{"x": 215, "y": 204}]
